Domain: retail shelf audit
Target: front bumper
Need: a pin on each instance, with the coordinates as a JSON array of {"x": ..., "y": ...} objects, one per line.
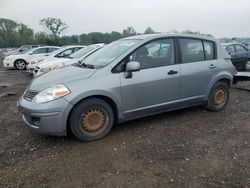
[
  {"x": 47, "y": 118},
  {"x": 8, "y": 63},
  {"x": 30, "y": 67}
]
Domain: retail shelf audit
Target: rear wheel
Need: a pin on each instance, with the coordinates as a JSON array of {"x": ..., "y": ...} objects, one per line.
[
  {"x": 20, "y": 64},
  {"x": 218, "y": 97},
  {"x": 91, "y": 119}
]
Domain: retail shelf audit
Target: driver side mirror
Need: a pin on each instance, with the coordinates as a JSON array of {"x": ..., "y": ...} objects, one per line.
[{"x": 132, "y": 66}]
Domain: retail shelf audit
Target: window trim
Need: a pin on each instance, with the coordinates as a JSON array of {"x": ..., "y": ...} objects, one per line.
[
  {"x": 176, "y": 54},
  {"x": 202, "y": 41}
]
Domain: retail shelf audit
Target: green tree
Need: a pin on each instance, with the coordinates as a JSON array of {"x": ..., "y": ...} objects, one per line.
[
  {"x": 8, "y": 31},
  {"x": 96, "y": 37},
  {"x": 149, "y": 30},
  {"x": 25, "y": 35},
  {"x": 54, "y": 25},
  {"x": 129, "y": 31},
  {"x": 13, "y": 34}
]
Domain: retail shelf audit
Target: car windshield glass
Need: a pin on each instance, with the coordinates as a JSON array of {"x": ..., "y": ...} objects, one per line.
[
  {"x": 82, "y": 52},
  {"x": 57, "y": 51},
  {"x": 27, "y": 51},
  {"x": 109, "y": 53}
]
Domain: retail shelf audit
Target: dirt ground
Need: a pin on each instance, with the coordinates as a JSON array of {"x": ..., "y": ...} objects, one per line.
[{"x": 185, "y": 148}]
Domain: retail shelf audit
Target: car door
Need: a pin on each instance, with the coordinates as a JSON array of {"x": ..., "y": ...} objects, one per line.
[
  {"x": 198, "y": 65},
  {"x": 158, "y": 81}
]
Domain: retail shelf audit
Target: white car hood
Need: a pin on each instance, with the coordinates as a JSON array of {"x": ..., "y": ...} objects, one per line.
[{"x": 60, "y": 62}]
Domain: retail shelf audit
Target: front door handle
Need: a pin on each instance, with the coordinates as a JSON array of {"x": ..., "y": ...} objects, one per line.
[
  {"x": 172, "y": 72},
  {"x": 212, "y": 66}
]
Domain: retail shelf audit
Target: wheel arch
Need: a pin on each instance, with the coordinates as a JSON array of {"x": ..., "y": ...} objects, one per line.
[
  {"x": 19, "y": 60},
  {"x": 223, "y": 77},
  {"x": 107, "y": 99}
]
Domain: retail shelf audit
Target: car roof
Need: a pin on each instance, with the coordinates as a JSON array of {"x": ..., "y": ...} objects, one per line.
[
  {"x": 154, "y": 36},
  {"x": 72, "y": 46},
  {"x": 232, "y": 43}
]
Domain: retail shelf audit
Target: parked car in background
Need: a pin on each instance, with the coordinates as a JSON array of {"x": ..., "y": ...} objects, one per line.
[
  {"x": 127, "y": 79},
  {"x": 19, "y": 61},
  {"x": 62, "y": 52},
  {"x": 20, "y": 50},
  {"x": 240, "y": 55},
  {"x": 76, "y": 57}
]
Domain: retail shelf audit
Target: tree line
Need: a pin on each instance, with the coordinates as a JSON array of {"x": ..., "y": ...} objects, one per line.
[{"x": 14, "y": 34}]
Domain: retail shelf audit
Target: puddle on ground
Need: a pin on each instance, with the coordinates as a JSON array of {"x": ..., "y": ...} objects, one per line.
[
  {"x": 7, "y": 94},
  {"x": 4, "y": 84}
]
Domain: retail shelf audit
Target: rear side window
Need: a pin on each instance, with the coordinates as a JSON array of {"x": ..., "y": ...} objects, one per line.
[
  {"x": 195, "y": 50},
  {"x": 191, "y": 50},
  {"x": 209, "y": 50},
  {"x": 240, "y": 48}
]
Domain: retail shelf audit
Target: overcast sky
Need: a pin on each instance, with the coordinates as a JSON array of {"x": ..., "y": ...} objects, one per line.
[{"x": 229, "y": 18}]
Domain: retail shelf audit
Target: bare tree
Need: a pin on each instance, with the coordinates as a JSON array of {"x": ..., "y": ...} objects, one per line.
[{"x": 55, "y": 26}]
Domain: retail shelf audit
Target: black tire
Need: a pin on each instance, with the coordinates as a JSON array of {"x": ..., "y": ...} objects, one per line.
[
  {"x": 218, "y": 97},
  {"x": 20, "y": 64},
  {"x": 91, "y": 119}
]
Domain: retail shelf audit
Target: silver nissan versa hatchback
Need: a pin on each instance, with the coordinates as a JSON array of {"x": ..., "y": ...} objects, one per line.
[{"x": 128, "y": 79}]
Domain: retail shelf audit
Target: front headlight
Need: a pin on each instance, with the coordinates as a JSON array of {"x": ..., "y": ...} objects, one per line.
[
  {"x": 8, "y": 57},
  {"x": 51, "y": 93},
  {"x": 37, "y": 61},
  {"x": 47, "y": 69}
]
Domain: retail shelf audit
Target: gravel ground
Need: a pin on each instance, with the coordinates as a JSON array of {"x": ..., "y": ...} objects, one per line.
[{"x": 186, "y": 148}]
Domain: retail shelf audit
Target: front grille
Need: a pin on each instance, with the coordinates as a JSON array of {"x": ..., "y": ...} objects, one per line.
[{"x": 29, "y": 95}]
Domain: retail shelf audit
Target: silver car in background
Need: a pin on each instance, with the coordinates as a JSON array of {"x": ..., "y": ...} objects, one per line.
[{"x": 128, "y": 79}]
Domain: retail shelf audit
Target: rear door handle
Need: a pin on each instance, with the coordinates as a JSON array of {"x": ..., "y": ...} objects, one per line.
[
  {"x": 172, "y": 72},
  {"x": 212, "y": 66}
]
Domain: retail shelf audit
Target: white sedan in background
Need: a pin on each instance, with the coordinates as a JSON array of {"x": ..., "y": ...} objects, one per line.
[
  {"x": 19, "y": 61},
  {"x": 76, "y": 57},
  {"x": 62, "y": 52}
]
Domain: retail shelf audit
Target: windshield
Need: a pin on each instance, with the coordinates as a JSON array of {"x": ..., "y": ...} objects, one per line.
[
  {"x": 59, "y": 50},
  {"x": 27, "y": 51},
  {"x": 109, "y": 53},
  {"x": 82, "y": 52}
]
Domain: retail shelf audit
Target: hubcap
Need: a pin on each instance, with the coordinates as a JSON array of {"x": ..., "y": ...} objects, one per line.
[
  {"x": 20, "y": 64},
  {"x": 219, "y": 97},
  {"x": 94, "y": 119}
]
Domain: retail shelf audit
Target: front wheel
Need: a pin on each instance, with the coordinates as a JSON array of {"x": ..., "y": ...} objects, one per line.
[
  {"x": 218, "y": 97},
  {"x": 91, "y": 119},
  {"x": 20, "y": 64}
]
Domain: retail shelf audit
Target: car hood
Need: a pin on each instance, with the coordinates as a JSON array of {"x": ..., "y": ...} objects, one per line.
[
  {"x": 54, "y": 61},
  {"x": 38, "y": 58},
  {"x": 60, "y": 76}
]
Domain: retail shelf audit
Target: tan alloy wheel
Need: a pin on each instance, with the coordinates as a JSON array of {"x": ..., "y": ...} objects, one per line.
[
  {"x": 219, "y": 97},
  {"x": 94, "y": 119}
]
